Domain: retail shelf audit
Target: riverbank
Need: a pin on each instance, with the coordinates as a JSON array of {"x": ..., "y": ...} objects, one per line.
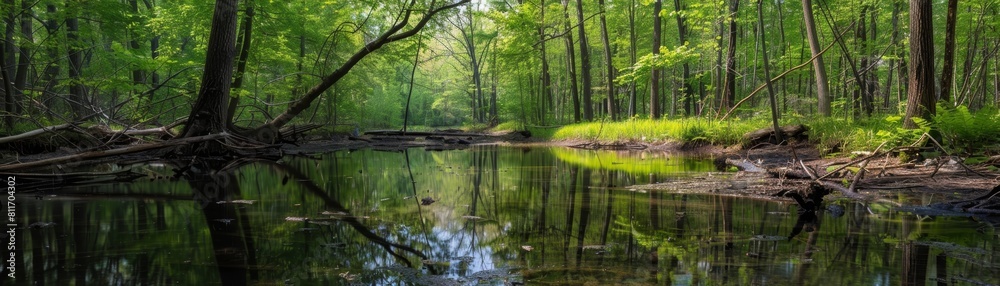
[{"x": 868, "y": 177}]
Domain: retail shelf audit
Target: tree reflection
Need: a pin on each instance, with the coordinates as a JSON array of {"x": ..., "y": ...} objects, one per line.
[{"x": 355, "y": 217}]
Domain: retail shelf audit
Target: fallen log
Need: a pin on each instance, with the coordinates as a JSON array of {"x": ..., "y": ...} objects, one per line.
[
  {"x": 112, "y": 152},
  {"x": 419, "y": 133},
  {"x": 766, "y": 135}
]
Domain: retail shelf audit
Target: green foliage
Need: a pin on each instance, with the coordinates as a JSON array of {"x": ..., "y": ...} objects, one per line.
[
  {"x": 968, "y": 131},
  {"x": 647, "y": 130},
  {"x": 667, "y": 58}
]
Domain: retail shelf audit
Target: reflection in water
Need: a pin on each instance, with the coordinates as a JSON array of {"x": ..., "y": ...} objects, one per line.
[{"x": 499, "y": 215}]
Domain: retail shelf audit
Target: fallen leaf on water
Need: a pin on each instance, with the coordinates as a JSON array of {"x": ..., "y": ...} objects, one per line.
[{"x": 527, "y": 247}]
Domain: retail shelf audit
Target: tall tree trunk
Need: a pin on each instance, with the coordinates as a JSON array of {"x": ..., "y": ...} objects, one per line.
[
  {"x": 767, "y": 73},
  {"x": 9, "y": 61},
  {"x": 608, "y": 64},
  {"x": 886, "y": 100},
  {"x": 571, "y": 63},
  {"x": 545, "y": 78},
  {"x": 948, "y": 69},
  {"x": 585, "y": 79},
  {"x": 729, "y": 87},
  {"x": 51, "y": 73},
  {"x": 654, "y": 73},
  {"x": 77, "y": 91},
  {"x": 8, "y": 90},
  {"x": 632, "y": 51},
  {"x": 154, "y": 53},
  {"x": 686, "y": 72},
  {"x": 822, "y": 91},
  {"x": 245, "y": 40},
  {"x": 392, "y": 34},
  {"x": 920, "y": 98},
  {"x": 24, "y": 57},
  {"x": 138, "y": 75},
  {"x": 209, "y": 112}
]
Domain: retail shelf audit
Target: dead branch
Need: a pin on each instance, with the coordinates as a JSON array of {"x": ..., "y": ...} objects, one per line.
[{"x": 36, "y": 132}]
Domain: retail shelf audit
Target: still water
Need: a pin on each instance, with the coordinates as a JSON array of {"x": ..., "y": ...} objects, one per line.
[{"x": 487, "y": 216}]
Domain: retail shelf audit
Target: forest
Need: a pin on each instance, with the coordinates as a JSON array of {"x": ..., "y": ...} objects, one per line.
[
  {"x": 141, "y": 66},
  {"x": 244, "y": 142}
]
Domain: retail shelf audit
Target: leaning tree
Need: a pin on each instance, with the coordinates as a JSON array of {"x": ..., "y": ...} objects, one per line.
[{"x": 207, "y": 130}]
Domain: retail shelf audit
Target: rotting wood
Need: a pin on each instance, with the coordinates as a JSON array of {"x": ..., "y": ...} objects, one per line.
[{"x": 36, "y": 132}]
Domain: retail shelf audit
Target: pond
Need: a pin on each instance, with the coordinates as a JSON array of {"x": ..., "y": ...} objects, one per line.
[{"x": 488, "y": 215}]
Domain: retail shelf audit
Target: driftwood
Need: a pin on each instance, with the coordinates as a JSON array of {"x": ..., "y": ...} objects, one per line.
[{"x": 599, "y": 146}]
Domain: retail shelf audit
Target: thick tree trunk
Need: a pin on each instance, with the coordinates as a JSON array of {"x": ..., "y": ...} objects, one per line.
[
  {"x": 208, "y": 115},
  {"x": 608, "y": 65},
  {"x": 822, "y": 91},
  {"x": 948, "y": 69},
  {"x": 920, "y": 98},
  {"x": 654, "y": 73},
  {"x": 585, "y": 79}
]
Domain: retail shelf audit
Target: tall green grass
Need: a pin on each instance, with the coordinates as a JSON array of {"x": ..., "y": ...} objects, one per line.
[
  {"x": 961, "y": 130},
  {"x": 648, "y": 130}
]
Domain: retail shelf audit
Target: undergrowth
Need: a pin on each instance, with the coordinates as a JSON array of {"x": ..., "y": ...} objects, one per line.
[{"x": 961, "y": 130}]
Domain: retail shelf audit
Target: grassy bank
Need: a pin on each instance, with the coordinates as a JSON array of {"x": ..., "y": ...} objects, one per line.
[{"x": 961, "y": 130}]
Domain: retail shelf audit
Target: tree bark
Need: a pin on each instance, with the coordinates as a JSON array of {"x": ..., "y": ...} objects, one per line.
[
  {"x": 654, "y": 73},
  {"x": 208, "y": 115},
  {"x": 822, "y": 91},
  {"x": 585, "y": 79},
  {"x": 948, "y": 69},
  {"x": 920, "y": 98}
]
